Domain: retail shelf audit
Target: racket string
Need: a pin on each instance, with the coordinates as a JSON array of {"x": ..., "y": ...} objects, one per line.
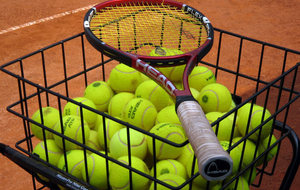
[{"x": 129, "y": 26}]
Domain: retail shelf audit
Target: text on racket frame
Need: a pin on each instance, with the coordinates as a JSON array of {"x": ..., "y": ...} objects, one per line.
[{"x": 155, "y": 74}]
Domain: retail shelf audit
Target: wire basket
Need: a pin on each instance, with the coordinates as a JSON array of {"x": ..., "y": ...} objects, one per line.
[{"x": 254, "y": 71}]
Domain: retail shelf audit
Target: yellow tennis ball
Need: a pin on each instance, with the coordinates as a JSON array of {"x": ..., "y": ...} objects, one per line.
[
  {"x": 163, "y": 51},
  {"x": 236, "y": 153},
  {"x": 172, "y": 73},
  {"x": 141, "y": 113},
  {"x": 124, "y": 78},
  {"x": 73, "y": 109},
  {"x": 217, "y": 186},
  {"x": 246, "y": 175},
  {"x": 195, "y": 93},
  {"x": 93, "y": 141},
  {"x": 119, "y": 177},
  {"x": 98, "y": 122},
  {"x": 119, "y": 143},
  {"x": 169, "y": 166},
  {"x": 187, "y": 152},
  {"x": 233, "y": 105},
  {"x": 256, "y": 118},
  {"x": 118, "y": 103},
  {"x": 263, "y": 146},
  {"x": 144, "y": 77},
  {"x": 111, "y": 127},
  {"x": 74, "y": 164},
  {"x": 96, "y": 171},
  {"x": 200, "y": 77},
  {"x": 199, "y": 180},
  {"x": 224, "y": 128},
  {"x": 50, "y": 116},
  {"x": 170, "y": 179},
  {"x": 215, "y": 97},
  {"x": 150, "y": 90},
  {"x": 168, "y": 115},
  {"x": 72, "y": 128},
  {"x": 242, "y": 184},
  {"x": 176, "y": 73},
  {"x": 178, "y": 85},
  {"x": 52, "y": 154},
  {"x": 100, "y": 93},
  {"x": 171, "y": 132}
]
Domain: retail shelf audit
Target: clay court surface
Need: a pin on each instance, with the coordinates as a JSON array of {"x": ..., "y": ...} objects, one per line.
[{"x": 276, "y": 22}]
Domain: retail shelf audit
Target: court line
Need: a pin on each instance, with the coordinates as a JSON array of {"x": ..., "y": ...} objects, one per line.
[{"x": 45, "y": 19}]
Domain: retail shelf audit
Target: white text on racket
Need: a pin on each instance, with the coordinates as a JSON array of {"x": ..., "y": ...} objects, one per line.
[{"x": 155, "y": 74}]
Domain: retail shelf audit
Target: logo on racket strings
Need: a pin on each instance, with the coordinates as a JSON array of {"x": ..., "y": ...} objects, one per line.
[
  {"x": 155, "y": 74},
  {"x": 160, "y": 51}
]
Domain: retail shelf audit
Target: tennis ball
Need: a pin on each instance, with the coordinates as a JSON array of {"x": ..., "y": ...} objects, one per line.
[
  {"x": 50, "y": 116},
  {"x": 256, "y": 118},
  {"x": 217, "y": 186},
  {"x": 215, "y": 97},
  {"x": 187, "y": 152},
  {"x": 176, "y": 73},
  {"x": 199, "y": 180},
  {"x": 200, "y": 77},
  {"x": 144, "y": 77},
  {"x": 118, "y": 103},
  {"x": 163, "y": 150},
  {"x": 163, "y": 51},
  {"x": 119, "y": 177},
  {"x": 169, "y": 166},
  {"x": 242, "y": 184},
  {"x": 72, "y": 128},
  {"x": 74, "y": 163},
  {"x": 93, "y": 141},
  {"x": 246, "y": 175},
  {"x": 124, "y": 78},
  {"x": 111, "y": 127},
  {"x": 150, "y": 90},
  {"x": 223, "y": 128},
  {"x": 51, "y": 155},
  {"x": 178, "y": 85},
  {"x": 98, "y": 122},
  {"x": 170, "y": 179},
  {"x": 168, "y": 115},
  {"x": 195, "y": 93},
  {"x": 172, "y": 73},
  {"x": 96, "y": 170},
  {"x": 73, "y": 109},
  {"x": 100, "y": 93},
  {"x": 236, "y": 153},
  {"x": 263, "y": 146},
  {"x": 119, "y": 143},
  {"x": 233, "y": 105},
  {"x": 141, "y": 113}
]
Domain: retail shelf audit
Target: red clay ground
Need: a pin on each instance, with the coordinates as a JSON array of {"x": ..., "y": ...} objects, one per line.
[{"x": 276, "y": 22}]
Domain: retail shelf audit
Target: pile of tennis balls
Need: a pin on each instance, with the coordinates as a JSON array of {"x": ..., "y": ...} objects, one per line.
[{"x": 132, "y": 97}]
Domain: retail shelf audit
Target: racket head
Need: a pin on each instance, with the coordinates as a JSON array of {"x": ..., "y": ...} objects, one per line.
[{"x": 127, "y": 30}]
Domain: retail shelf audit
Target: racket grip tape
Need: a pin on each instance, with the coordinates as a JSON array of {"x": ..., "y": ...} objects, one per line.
[{"x": 213, "y": 161}]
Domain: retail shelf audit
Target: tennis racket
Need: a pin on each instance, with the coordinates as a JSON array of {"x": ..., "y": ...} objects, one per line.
[{"x": 129, "y": 30}]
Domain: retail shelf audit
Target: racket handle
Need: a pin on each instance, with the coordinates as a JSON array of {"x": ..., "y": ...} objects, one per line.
[{"x": 213, "y": 161}]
